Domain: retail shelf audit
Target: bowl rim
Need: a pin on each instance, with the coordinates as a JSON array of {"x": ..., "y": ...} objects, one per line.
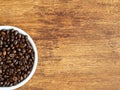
[{"x": 35, "y": 62}]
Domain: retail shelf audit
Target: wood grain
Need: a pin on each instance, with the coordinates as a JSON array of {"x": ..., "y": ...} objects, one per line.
[{"x": 78, "y": 41}]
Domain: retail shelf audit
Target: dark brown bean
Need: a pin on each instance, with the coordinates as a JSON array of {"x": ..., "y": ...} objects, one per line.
[
  {"x": 15, "y": 33},
  {"x": 19, "y": 36},
  {"x": 0, "y": 59},
  {"x": 15, "y": 78},
  {"x": 0, "y": 71},
  {"x": 19, "y": 49},
  {"x": 21, "y": 78},
  {"x": 1, "y": 83},
  {"x": 14, "y": 51},
  {"x": 8, "y": 49},
  {"x": 4, "y": 53},
  {"x": 8, "y": 32},
  {"x": 3, "y": 33},
  {"x": 1, "y": 43},
  {"x": 15, "y": 42},
  {"x": 8, "y": 61},
  {"x": 1, "y": 38},
  {"x": 12, "y": 55}
]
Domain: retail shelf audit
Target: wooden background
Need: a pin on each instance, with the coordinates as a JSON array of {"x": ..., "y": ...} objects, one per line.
[{"x": 78, "y": 41}]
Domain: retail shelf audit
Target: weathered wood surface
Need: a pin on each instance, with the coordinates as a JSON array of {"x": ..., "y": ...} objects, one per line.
[{"x": 78, "y": 41}]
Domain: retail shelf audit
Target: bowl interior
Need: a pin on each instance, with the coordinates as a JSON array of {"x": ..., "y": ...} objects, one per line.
[{"x": 35, "y": 59}]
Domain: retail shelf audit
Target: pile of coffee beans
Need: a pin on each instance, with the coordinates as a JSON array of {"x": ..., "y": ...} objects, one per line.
[{"x": 16, "y": 57}]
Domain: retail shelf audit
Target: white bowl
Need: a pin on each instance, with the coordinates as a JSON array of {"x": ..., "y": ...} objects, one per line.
[{"x": 35, "y": 62}]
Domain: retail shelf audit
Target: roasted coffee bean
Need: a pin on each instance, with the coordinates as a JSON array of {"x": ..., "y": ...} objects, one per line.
[
  {"x": 8, "y": 61},
  {"x": 1, "y": 63},
  {"x": 22, "y": 45},
  {"x": 15, "y": 32},
  {"x": 19, "y": 36},
  {"x": 15, "y": 42},
  {"x": 1, "y": 43},
  {"x": 0, "y": 59},
  {"x": 16, "y": 57},
  {"x": 4, "y": 53},
  {"x": 16, "y": 37},
  {"x": 11, "y": 45},
  {"x": 15, "y": 78},
  {"x": 0, "y": 71},
  {"x": 20, "y": 54},
  {"x": 23, "y": 50},
  {"x": 21, "y": 78},
  {"x": 6, "y": 46},
  {"x": 24, "y": 75},
  {"x": 3, "y": 33},
  {"x": 19, "y": 49},
  {"x": 1, "y": 83},
  {"x": 8, "y": 32},
  {"x": 11, "y": 55},
  {"x": 1, "y": 38},
  {"x": 14, "y": 60},
  {"x": 11, "y": 65},
  {"x": 13, "y": 48},
  {"x": 14, "y": 51}
]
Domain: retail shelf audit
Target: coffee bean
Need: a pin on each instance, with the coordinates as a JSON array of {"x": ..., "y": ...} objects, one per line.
[
  {"x": 15, "y": 32},
  {"x": 1, "y": 38},
  {"x": 23, "y": 50},
  {"x": 28, "y": 72},
  {"x": 8, "y": 32},
  {"x": 16, "y": 57},
  {"x": 8, "y": 61},
  {"x": 8, "y": 83},
  {"x": 22, "y": 68},
  {"x": 19, "y": 49},
  {"x": 20, "y": 63},
  {"x": 16, "y": 37},
  {"x": 11, "y": 65},
  {"x": 1, "y": 43},
  {"x": 13, "y": 48},
  {"x": 16, "y": 46},
  {"x": 14, "y": 51},
  {"x": 3, "y": 49},
  {"x": 15, "y": 42},
  {"x": 1, "y": 63},
  {"x": 0, "y": 59},
  {"x": 11, "y": 84},
  {"x": 14, "y": 60},
  {"x": 5, "y": 76},
  {"x": 3, "y": 33},
  {"x": 6, "y": 46},
  {"x": 8, "y": 58},
  {"x": 29, "y": 51},
  {"x": 21, "y": 78},
  {"x": 11, "y": 55},
  {"x": 11, "y": 71},
  {"x": 18, "y": 70},
  {"x": 11, "y": 45},
  {"x": 19, "y": 36},
  {"x": 24, "y": 75},
  {"x": 1, "y": 83},
  {"x": 4, "y": 53},
  {"x": 15, "y": 78},
  {"x": 5, "y": 67},
  {"x": 22, "y": 45},
  {"x": 0, "y": 71}
]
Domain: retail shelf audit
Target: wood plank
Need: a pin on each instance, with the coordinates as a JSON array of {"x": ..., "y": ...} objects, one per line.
[{"x": 77, "y": 41}]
